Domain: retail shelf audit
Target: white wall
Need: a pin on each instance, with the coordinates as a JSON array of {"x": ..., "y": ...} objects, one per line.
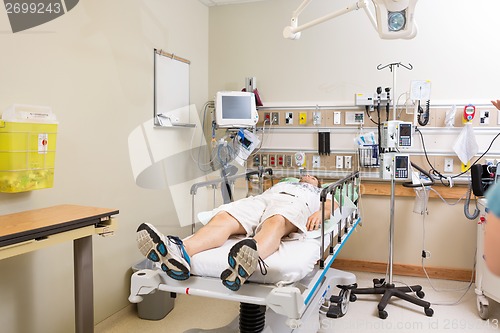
[
  {"x": 455, "y": 49},
  {"x": 94, "y": 67}
]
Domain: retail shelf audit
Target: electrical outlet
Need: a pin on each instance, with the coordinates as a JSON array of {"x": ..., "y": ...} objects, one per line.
[
  {"x": 448, "y": 165},
  {"x": 263, "y": 160},
  {"x": 288, "y": 161},
  {"x": 302, "y": 118},
  {"x": 348, "y": 162},
  {"x": 272, "y": 160},
  {"x": 340, "y": 162},
  {"x": 275, "y": 118},
  {"x": 316, "y": 161},
  {"x": 336, "y": 118},
  {"x": 280, "y": 160},
  {"x": 256, "y": 160},
  {"x": 317, "y": 118},
  {"x": 267, "y": 117}
]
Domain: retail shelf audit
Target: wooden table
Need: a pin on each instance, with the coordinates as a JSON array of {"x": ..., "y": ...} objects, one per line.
[{"x": 35, "y": 229}]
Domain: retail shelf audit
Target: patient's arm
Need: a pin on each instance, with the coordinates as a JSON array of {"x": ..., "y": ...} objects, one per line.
[{"x": 314, "y": 221}]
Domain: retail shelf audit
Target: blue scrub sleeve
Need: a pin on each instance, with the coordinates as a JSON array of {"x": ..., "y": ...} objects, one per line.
[{"x": 493, "y": 197}]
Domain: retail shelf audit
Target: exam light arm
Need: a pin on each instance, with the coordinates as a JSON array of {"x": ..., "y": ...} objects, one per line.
[
  {"x": 293, "y": 30},
  {"x": 379, "y": 20}
]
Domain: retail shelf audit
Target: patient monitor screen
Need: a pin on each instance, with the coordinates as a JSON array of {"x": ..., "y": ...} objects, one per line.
[{"x": 236, "y": 107}]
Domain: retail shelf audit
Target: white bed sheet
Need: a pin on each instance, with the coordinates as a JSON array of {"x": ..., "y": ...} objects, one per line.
[{"x": 294, "y": 259}]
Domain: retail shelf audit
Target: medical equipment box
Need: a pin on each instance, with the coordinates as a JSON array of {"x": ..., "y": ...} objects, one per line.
[
  {"x": 27, "y": 155},
  {"x": 154, "y": 306}
]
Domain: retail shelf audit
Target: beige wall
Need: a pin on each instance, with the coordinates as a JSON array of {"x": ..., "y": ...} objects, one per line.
[{"x": 94, "y": 67}]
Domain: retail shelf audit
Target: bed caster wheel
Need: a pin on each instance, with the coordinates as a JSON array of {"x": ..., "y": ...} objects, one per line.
[
  {"x": 382, "y": 314},
  {"x": 429, "y": 312},
  {"x": 482, "y": 307},
  {"x": 420, "y": 294},
  {"x": 340, "y": 304}
]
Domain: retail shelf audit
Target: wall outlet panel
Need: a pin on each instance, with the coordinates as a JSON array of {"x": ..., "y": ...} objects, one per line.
[
  {"x": 289, "y": 118},
  {"x": 272, "y": 160},
  {"x": 354, "y": 118},
  {"x": 348, "y": 162},
  {"x": 267, "y": 118},
  {"x": 263, "y": 160},
  {"x": 317, "y": 118},
  {"x": 302, "y": 118},
  {"x": 448, "y": 165},
  {"x": 316, "y": 161},
  {"x": 280, "y": 160},
  {"x": 339, "y": 164},
  {"x": 336, "y": 118},
  {"x": 275, "y": 118}
]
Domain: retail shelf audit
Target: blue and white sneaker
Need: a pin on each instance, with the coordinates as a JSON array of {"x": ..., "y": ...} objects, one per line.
[
  {"x": 168, "y": 251},
  {"x": 243, "y": 260}
]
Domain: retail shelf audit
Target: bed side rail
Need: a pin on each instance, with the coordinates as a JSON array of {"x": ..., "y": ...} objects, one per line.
[{"x": 345, "y": 187}]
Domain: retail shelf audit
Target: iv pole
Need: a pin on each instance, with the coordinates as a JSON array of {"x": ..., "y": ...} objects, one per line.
[
  {"x": 388, "y": 290},
  {"x": 393, "y": 67}
]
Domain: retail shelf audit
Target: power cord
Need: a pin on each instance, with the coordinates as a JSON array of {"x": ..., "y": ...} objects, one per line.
[
  {"x": 425, "y": 255},
  {"x": 438, "y": 175}
]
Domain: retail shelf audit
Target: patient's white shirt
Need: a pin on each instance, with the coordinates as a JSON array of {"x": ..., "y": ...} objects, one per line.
[{"x": 305, "y": 191}]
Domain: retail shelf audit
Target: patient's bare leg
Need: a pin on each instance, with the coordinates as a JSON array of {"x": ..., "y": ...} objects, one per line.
[
  {"x": 268, "y": 238},
  {"x": 214, "y": 233}
]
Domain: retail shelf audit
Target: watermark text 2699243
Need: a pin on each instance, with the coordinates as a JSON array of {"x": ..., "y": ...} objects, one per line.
[
  {"x": 33, "y": 7},
  {"x": 26, "y": 14}
]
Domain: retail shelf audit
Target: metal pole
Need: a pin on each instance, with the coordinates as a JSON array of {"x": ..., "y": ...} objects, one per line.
[{"x": 391, "y": 231}]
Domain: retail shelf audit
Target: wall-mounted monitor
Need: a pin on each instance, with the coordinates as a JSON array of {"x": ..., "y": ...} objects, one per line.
[{"x": 235, "y": 109}]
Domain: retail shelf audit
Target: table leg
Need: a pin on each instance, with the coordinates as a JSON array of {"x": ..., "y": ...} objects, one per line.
[{"x": 84, "y": 286}]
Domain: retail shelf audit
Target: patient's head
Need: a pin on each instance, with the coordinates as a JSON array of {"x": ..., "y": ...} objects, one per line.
[{"x": 310, "y": 180}]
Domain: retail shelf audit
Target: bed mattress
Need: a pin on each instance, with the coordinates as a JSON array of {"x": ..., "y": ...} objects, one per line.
[{"x": 294, "y": 259}]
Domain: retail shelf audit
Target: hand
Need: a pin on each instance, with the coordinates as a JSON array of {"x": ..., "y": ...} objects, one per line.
[
  {"x": 496, "y": 103},
  {"x": 314, "y": 221}
]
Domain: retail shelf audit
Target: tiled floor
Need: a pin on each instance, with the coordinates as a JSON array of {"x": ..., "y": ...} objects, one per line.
[{"x": 210, "y": 315}]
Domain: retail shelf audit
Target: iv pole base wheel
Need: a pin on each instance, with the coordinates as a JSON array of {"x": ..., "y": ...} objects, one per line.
[
  {"x": 428, "y": 312},
  {"x": 382, "y": 314},
  {"x": 389, "y": 290}
]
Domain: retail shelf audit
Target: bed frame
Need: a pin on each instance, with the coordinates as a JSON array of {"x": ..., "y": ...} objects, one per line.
[{"x": 271, "y": 308}]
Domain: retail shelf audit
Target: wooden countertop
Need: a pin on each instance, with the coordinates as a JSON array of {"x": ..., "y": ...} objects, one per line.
[{"x": 39, "y": 223}]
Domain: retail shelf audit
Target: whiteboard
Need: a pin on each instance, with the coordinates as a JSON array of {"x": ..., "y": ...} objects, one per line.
[{"x": 171, "y": 89}]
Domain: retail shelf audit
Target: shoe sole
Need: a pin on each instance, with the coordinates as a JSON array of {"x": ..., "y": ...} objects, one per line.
[
  {"x": 235, "y": 276},
  {"x": 158, "y": 252}
]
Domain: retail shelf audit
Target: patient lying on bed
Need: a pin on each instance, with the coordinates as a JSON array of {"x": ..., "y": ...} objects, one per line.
[{"x": 264, "y": 219}]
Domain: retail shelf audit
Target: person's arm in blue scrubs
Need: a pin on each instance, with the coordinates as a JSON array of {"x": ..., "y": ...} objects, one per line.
[{"x": 492, "y": 230}]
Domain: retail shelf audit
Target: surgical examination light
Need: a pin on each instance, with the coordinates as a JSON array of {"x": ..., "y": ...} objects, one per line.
[{"x": 392, "y": 19}]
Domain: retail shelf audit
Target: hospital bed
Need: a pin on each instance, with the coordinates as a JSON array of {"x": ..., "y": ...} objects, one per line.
[{"x": 299, "y": 285}]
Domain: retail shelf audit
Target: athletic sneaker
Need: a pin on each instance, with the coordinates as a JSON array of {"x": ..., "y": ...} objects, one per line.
[
  {"x": 243, "y": 259},
  {"x": 168, "y": 251}
]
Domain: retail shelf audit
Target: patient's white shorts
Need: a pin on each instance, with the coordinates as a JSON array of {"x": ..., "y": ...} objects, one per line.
[{"x": 252, "y": 211}]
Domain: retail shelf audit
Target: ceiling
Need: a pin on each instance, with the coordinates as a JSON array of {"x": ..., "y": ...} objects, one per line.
[{"x": 224, "y": 2}]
